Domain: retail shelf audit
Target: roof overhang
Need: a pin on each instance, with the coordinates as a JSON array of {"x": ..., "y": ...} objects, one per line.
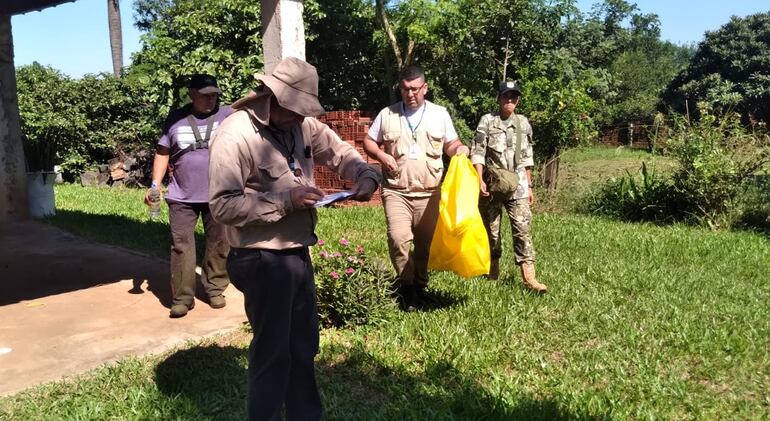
[{"x": 15, "y": 7}]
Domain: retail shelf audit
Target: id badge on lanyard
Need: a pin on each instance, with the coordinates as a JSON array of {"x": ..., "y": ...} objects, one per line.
[{"x": 414, "y": 151}]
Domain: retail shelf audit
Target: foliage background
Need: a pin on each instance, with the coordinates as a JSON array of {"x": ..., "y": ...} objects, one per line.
[
  {"x": 730, "y": 71},
  {"x": 581, "y": 72}
]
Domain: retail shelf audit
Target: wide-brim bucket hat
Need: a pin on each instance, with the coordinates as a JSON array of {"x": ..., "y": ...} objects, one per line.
[{"x": 294, "y": 83}]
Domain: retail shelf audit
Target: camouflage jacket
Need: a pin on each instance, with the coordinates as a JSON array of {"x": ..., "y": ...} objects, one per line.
[{"x": 490, "y": 146}]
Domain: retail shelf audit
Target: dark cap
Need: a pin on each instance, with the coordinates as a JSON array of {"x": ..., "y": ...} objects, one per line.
[
  {"x": 205, "y": 84},
  {"x": 509, "y": 85}
]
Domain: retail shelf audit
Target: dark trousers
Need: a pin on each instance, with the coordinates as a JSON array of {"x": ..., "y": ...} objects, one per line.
[
  {"x": 182, "y": 218},
  {"x": 280, "y": 301}
]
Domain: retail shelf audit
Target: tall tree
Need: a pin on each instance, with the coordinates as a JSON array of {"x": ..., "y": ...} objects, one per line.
[
  {"x": 730, "y": 70},
  {"x": 351, "y": 67},
  {"x": 624, "y": 45},
  {"x": 404, "y": 56},
  {"x": 220, "y": 37},
  {"x": 116, "y": 36}
]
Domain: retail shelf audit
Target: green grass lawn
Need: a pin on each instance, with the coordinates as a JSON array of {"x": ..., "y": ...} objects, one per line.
[
  {"x": 640, "y": 322},
  {"x": 581, "y": 169}
]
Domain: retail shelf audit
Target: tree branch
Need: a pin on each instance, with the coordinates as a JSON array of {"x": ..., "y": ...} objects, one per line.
[{"x": 383, "y": 18}]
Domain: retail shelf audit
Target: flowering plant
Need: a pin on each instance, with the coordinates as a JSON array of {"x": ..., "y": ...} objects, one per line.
[{"x": 352, "y": 288}]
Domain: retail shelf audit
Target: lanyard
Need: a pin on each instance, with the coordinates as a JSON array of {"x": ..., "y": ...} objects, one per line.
[
  {"x": 286, "y": 149},
  {"x": 413, "y": 129}
]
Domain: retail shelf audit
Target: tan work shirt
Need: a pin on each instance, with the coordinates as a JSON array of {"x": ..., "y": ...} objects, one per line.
[
  {"x": 418, "y": 152},
  {"x": 250, "y": 179}
]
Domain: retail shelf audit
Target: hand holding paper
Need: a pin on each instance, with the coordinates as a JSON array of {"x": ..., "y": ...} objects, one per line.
[{"x": 334, "y": 197}]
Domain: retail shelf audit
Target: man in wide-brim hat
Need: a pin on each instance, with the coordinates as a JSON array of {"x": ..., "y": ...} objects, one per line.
[{"x": 261, "y": 187}]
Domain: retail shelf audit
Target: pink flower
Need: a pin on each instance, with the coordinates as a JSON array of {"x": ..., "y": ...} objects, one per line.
[
  {"x": 349, "y": 271},
  {"x": 344, "y": 242},
  {"x": 337, "y": 254},
  {"x": 359, "y": 249},
  {"x": 335, "y": 275},
  {"x": 321, "y": 242},
  {"x": 323, "y": 254}
]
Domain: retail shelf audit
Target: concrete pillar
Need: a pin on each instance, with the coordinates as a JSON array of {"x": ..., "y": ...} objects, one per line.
[
  {"x": 283, "y": 31},
  {"x": 13, "y": 182}
]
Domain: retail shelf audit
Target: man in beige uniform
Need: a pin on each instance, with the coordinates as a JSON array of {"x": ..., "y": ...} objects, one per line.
[
  {"x": 261, "y": 187},
  {"x": 413, "y": 134}
]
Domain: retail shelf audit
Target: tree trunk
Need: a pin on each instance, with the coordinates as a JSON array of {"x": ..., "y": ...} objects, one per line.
[
  {"x": 116, "y": 36},
  {"x": 389, "y": 78},
  {"x": 403, "y": 58},
  {"x": 382, "y": 16},
  {"x": 550, "y": 175}
]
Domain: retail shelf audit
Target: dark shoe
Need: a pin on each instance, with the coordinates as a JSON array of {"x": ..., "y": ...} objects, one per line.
[
  {"x": 410, "y": 300},
  {"x": 422, "y": 295},
  {"x": 494, "y": 270},
  {"x": 180, "y": 310},
  {"x": 217, "y": 301}
]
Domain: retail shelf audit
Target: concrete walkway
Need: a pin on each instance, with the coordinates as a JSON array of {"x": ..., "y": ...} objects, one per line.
[{"x": 68, "y": 305}]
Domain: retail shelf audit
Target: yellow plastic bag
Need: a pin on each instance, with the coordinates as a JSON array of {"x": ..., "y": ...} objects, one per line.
[{"x": 460, "y": 241}]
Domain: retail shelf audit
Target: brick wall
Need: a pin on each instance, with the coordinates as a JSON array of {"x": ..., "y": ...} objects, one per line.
[
  {"x": 350, "y": 126},
  {"x": 639, "y": 138}
]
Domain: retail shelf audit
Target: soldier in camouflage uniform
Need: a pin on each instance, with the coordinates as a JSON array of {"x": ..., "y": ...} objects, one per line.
[{"x": 498, "y": 136}]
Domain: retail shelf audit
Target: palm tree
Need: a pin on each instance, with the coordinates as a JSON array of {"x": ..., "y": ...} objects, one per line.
[{"x": 116, "y": 36}]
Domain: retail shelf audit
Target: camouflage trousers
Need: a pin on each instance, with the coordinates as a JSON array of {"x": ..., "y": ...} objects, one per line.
[{"x": 520, "y": 216}]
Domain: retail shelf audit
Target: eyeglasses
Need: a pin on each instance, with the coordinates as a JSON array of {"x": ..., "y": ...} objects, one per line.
[{"x": 411, "y": 90}]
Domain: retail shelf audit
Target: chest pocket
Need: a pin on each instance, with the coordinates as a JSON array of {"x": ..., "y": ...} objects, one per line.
[
  {"x": 436, "y": 143},
  {"x": 271, "y": 169},
  {"x": 392, "y": 145},
  {"x": 496, "y": 139}
]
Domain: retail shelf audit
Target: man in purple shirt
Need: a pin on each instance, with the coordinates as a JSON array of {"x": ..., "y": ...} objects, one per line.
[{"x": 183, "y": 147}]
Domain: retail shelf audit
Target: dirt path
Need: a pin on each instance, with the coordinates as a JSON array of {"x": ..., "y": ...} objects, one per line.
[{"x": 68, "y": 305}]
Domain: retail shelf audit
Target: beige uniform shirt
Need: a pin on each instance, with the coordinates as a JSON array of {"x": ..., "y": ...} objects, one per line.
[
  {"x": 417, "y": 151},
  {"x": 250, "y": 179}
]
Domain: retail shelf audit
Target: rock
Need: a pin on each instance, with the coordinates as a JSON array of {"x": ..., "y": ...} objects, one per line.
[
  {"x": 129, "y": 163},
  {"x": 89, "y": 178},
  {"x": 103, "y": 178},
  {"x": 118, "y": 173}
]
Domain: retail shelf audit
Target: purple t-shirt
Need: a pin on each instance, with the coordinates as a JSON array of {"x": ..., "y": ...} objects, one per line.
[{"x": 190, "y": 181}]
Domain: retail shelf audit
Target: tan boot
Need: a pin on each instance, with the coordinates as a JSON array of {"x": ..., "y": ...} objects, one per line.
[
  {"x": 494, "y": 269},
  {"x": 528, "y": 276}
]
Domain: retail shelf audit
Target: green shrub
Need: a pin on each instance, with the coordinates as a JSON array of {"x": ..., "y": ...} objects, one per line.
[
  {"x": 642, "y": 197},
  {"x": 718, "y": 158},
  {"x": 51, "y": 117},
  {"x": 752, "y": 206},
  {"x": 352, "y": 289},
  {"x": 718, "y": 163},
  {"x": 119, "y": 119},
  {"x": 81, "y": 123}
]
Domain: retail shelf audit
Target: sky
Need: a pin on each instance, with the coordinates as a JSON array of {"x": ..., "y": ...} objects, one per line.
[{"x": 74, "y": 37}]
